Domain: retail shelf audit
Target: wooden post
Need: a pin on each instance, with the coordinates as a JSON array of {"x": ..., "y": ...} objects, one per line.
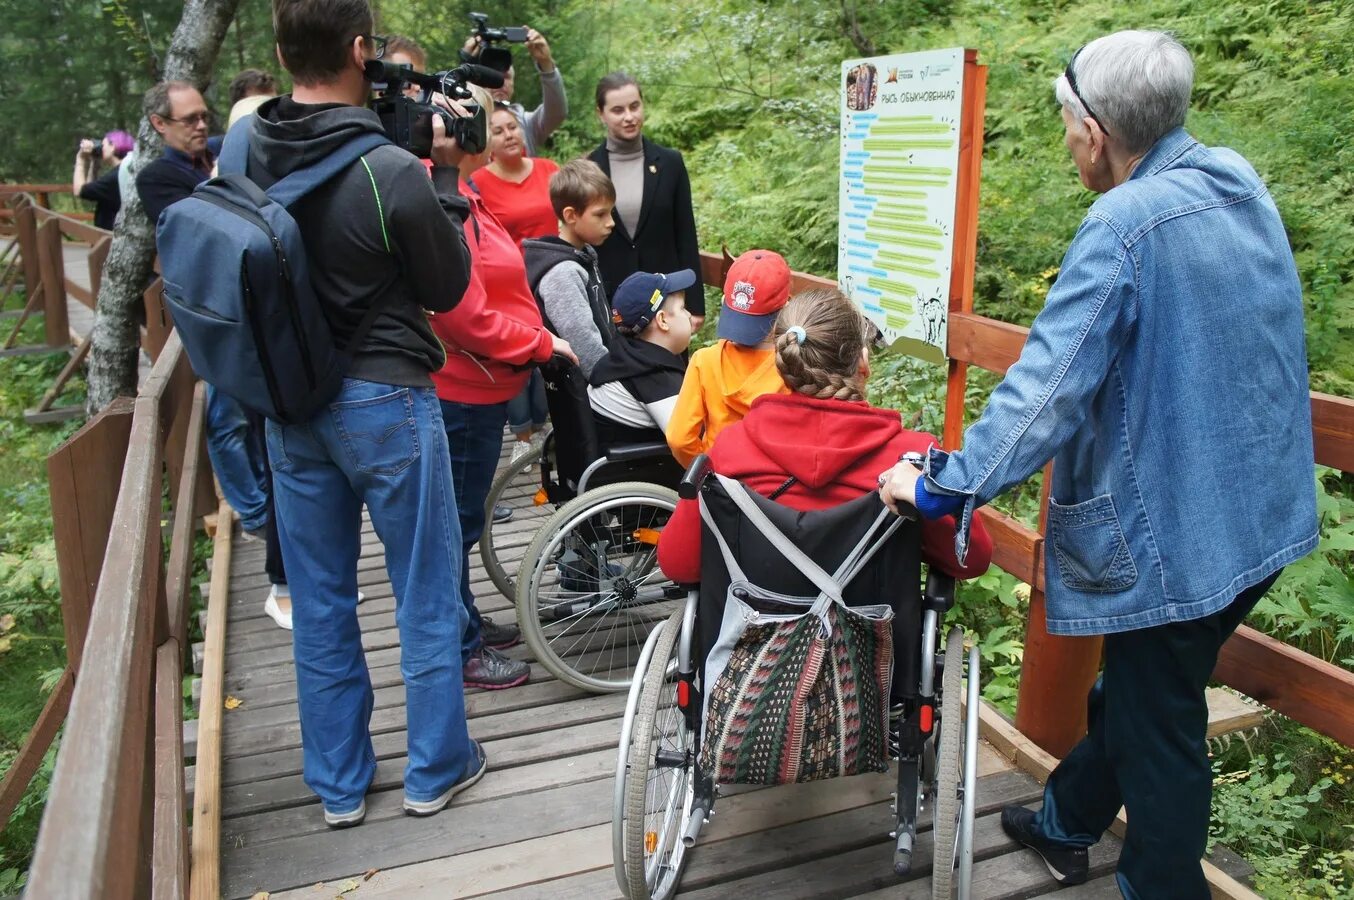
[
  {"x": 83, "y": 475},
  {"x": 169, "y": 842},
  {"x": 57, "y": 326},
  {"x": 35, "y": 746},
  {"x": 965, "y": 232},
  {"x": 1055, "y": 672}
]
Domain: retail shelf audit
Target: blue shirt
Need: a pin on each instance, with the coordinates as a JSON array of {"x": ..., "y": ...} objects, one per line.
[{"x": 1167, "y": 378}]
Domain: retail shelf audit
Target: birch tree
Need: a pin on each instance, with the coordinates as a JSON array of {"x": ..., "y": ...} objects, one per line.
[{"x": 116, "y": 340}]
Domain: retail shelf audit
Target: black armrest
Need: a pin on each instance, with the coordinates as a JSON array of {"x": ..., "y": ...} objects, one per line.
[
  {"x": 628, "y": 452},
  {"x": 939, "y": 589},
  {"x": 695, "y": 476}
]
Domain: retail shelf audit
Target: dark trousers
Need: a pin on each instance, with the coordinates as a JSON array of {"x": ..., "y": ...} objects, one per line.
[
  {"x": 474, "y": 439},
  {"x": 272, "y": 561},
  {"x": 1145, "y": 750}
]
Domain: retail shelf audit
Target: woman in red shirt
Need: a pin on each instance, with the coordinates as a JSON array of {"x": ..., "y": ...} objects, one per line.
[
  {"x": 516, "y": 189},
  {"x": 492, "y": 338},
  {"x": 820, "y": 445}
]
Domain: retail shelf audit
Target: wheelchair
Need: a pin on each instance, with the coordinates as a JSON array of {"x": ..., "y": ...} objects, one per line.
[
  {"x": 588, "y": 588},
  {"x": 665, "y": 790}
]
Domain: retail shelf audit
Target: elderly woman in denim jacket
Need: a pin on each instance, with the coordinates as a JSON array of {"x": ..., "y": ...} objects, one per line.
[{"x": 1167, "y": 366}]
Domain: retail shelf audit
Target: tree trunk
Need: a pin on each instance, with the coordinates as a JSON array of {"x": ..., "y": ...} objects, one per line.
[{"x": 116, "y": 339}]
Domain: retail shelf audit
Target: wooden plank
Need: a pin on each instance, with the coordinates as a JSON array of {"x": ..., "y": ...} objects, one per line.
[
  {"x": 205, "y": 867},
  {"x": 178, "y": 575},
  {"x": 35, "y": 746},
  {"x": 169, "y": 845},
  {"x": 31, "y": 306},
  {"x": 985, "y": 343},
  {"x": 56, "y": 324},
  {"x": 88, "y": 845},
  {"x": 49, "y": 397},
  {"x": 83, "y": 480},
  {"x": 1311, "y": 691},
  {"x": 1333, "y": 430}
]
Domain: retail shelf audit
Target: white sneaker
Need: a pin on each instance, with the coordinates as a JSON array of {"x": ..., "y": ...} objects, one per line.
[
  {"x": 519, "y": 450},
  {"x": 274, "y": 609},
  {"x": 361, "y": 597}
]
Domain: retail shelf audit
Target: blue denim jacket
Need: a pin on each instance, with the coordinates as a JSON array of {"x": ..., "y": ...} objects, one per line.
[{"x": 1167, "y": 378}]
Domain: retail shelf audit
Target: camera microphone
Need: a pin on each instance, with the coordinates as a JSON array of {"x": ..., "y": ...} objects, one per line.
[{"x": 477, "y": 74}]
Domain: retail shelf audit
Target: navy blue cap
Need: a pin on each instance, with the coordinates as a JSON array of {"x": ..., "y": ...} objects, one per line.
[{"x": 638, "y": 298}]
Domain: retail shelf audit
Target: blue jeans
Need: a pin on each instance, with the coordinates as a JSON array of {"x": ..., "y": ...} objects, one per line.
[
  {"x": 383, "y": 446},
  {"x": 237, "y": 454},
  {"x": 475, "y": 438},
  {"x": 527, "y": 410}
]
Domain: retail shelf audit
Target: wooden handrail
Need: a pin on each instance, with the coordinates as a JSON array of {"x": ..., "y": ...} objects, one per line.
[
  {"x": 1295, "y": 683},
  {"x": 116, "y": 816}
]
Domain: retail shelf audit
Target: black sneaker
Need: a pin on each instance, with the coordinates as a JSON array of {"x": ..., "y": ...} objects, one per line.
[
  {"x": 499, "y": 637},
  {"x": 502, "y": 513},
  {"x": 437, "y": 804},
  {"x": 493, "y": 671},
  {"x": 1067, "y": 864}
]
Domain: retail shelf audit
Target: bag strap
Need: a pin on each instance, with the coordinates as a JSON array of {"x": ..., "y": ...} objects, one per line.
[{"x": 301, "y": 182}]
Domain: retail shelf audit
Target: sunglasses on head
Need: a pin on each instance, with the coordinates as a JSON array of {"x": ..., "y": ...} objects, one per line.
[{"x": 1072, "y": 83}]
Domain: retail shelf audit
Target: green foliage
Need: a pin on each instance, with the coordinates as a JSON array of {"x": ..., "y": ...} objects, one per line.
[
  {"x": 1285, "y": 800},
  {"x": 1312, "y": 606}
]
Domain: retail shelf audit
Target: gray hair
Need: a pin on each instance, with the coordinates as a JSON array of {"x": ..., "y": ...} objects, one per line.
[
  {"x": 1138, "y": 84},
  {"x": 156, "y": 101}
]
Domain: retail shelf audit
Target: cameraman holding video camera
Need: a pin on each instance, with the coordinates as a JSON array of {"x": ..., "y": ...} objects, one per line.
[
  {"x": 383, "y": 244},
  {"x": 541, "y": 122}
]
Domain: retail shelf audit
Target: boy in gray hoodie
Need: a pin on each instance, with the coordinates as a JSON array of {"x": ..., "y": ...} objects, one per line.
[{"x": 563, "y": 272}]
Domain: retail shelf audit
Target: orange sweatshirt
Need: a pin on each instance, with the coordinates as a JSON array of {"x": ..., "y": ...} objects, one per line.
[{"x": 721, "y": 382}]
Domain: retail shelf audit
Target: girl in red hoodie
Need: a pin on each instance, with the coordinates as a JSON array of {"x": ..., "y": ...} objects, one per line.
[
  {"x": 492, "y": 339},
  {"x": 820, "y": 445}
]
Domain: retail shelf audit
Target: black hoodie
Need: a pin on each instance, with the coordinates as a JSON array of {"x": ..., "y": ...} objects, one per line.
[
  {"x": 379, "y": 233},
  {"x": 576, "y": 301},
  {"x": 633, "y": 389}
]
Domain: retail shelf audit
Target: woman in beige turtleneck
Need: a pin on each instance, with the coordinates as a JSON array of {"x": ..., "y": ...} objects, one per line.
[{"x": 655, "y": 226}]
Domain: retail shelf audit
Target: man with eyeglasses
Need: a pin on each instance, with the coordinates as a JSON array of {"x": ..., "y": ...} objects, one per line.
[{"x": 177, "y": 111}]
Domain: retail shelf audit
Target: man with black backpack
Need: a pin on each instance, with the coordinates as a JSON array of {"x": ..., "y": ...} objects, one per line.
[{"x": 381, "y": 245}]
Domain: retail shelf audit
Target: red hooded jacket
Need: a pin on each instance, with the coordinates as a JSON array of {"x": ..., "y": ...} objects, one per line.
[
  {"x": 496, "y": 330},
  {"x": 835, "y": 450}
]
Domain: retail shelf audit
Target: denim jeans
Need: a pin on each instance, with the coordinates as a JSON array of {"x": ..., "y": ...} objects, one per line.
[
  {"x": 383, "y": 446},
  {"x": 527, "y": 409},
  {"x": 237, "y": 454},
  {"x": 475, "y": 438},
  {"x": 1145, "y": 750}
]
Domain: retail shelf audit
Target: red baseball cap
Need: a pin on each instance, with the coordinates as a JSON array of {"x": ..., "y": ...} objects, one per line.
[{"x": 754, "y": 292}]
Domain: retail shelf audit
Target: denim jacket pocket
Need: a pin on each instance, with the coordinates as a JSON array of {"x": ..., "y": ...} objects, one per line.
[
  {"x": 275, "y": 439},
  {"x": 1089, "y": 546},
  {"x": 379, "y": 433}
]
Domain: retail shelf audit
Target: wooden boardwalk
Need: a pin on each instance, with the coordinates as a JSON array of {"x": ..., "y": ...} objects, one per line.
[{"x": 539, "y": 824}]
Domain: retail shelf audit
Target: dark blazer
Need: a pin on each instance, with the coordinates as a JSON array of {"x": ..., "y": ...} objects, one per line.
[{"x": 665, "y": 240}]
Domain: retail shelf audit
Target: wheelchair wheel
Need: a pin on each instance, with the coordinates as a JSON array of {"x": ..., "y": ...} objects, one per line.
[
  {"x": 659, "y": 778},
  {"x": 949, "y": 762},
  {"x": 502, "y": 543},
  {"x": 590, "y": 590}
]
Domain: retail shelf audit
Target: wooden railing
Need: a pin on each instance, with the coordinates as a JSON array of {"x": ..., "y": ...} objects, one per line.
[
  {"x": 115, "y": 825},
  {"x": 1297, "y": 684}
]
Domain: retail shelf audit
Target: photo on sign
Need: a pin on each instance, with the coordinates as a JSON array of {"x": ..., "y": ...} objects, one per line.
[{"x": 862, "y": 87}]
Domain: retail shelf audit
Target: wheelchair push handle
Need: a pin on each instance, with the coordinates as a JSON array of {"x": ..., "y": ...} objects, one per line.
[{"x": 696, "y": 473}]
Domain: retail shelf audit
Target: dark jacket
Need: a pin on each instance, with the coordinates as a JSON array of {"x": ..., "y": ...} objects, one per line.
[
  {"x": 543, "y": 255},
  {"x": 665, "y": 239},
  {"x": 379, "y": 233},
  {"x": 169, "y": 179}
]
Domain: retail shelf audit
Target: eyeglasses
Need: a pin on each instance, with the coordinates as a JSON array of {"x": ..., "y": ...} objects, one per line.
[
  {"x": 1072, "y": 83},
  {"x": 378, "y": 43},
  {"x": 192, "y": 121}
]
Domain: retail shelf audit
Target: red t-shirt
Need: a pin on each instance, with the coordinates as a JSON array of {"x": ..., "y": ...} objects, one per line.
[{"x": 523, "y": 208}]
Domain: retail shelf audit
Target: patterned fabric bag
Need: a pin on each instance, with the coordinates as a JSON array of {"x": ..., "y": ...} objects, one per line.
[{"x": 797, "y": 696}]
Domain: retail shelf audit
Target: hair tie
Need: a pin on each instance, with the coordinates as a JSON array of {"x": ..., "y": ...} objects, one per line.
[{"x": 798, "y": 332}]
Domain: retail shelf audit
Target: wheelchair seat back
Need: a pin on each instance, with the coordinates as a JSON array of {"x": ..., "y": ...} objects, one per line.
[{"x": 892, "y": 575}]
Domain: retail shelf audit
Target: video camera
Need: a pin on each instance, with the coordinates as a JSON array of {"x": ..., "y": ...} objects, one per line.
[
  {"x": 409, "y": 123},
  {"x": 499, "y": 58}
]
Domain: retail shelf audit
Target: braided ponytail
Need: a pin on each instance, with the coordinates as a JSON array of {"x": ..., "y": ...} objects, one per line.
[{"x": 826, "y": 362}]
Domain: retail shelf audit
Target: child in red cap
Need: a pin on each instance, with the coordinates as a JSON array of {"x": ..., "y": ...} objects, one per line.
[{"x": 722, "y": 380}]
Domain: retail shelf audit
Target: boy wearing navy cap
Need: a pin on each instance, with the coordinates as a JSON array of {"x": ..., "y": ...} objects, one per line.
[{"x": 633, "y": 389}]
